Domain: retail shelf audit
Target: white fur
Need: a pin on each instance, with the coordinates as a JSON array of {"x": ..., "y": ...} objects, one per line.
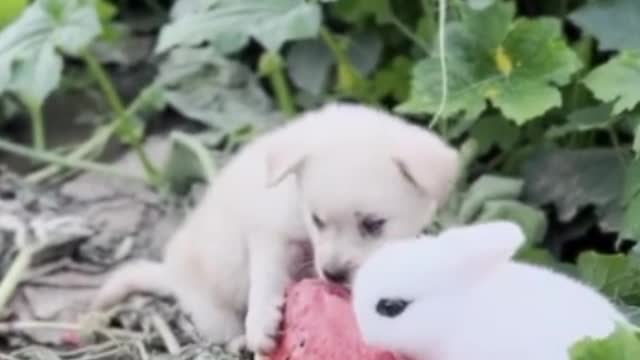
[
  {"x": 227, "y": 264},
  {"x": 470, "y": 300}
]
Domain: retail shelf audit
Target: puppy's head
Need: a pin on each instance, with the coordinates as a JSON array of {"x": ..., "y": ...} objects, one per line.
[{"x": 364, "y": 177}]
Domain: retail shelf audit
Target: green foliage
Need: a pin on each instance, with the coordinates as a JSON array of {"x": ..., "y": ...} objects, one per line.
[
  {"x": 29, "y": 62},
  {"x": 617, "y": 81},
  {"x": 595, "y": 17},
  {"x": 615, "y": 275},
  {"x": 230, "y": 23},
  {"x": 10, "y": 9},
  {"x": 493, "y": 197},
  {"x": 573, "y": 179},
  {"x": 204, "y": 86},
  {"x": 623, "y": 344},
  {"x": 548, "y": 117},
  {"x": 515, "y": 65}
]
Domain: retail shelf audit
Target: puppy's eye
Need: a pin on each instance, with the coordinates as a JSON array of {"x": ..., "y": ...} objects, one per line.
[
  {"x": 317, "y": 221},
  {"x": 371, "y": 226},
  {"x": 391, "y": 307}
]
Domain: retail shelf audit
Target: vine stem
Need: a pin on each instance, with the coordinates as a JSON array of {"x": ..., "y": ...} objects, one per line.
[
  {"x": 272, "y": 66},
  {"x": 442, "y": 18},
  {"x": 117, "y": 106},
  {"x": 97, "y": 142},
  {"x": 282, "y": 91},
  {"x": 37, "y": 124},
  {"x": 61, "y": 160},
  {"x": 409, "y": 34},
  {"x": 331, "y": 42}
]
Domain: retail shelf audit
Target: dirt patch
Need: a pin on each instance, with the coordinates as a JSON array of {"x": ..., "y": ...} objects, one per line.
[{"x": 70, "y": 237}]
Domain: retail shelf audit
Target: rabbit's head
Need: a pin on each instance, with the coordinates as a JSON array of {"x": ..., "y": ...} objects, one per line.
[{"x": 408, "y": 294}]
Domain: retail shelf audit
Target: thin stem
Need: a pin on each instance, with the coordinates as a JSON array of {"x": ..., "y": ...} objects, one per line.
[
  {"x": 271, "y": 65},
  {"x": 91, "y": 148},
  {"x": 408, "y": 33},
  {"x": 615, "y": 140},
  {"x": 61, "y": 161},
  {"x": 107, "y": 87},
  {"x": 37, "y": 125},
  {"x": 333, "y": 45},
  {"x": 442, "y": 17},
  {"x": 94, "y": 145},
  {"x": 282, "y": 91}
]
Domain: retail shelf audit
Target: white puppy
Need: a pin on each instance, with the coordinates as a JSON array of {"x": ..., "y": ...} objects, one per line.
[
  {"x": 344, "y": 176},
  {"x": 459, "y": 296}
]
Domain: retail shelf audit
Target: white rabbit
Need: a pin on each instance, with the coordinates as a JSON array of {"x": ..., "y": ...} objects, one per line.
[{"x": 460, "y": 296}]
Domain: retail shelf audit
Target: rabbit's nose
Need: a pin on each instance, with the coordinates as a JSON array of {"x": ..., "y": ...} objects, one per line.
[{"x": 336, "y": 276}]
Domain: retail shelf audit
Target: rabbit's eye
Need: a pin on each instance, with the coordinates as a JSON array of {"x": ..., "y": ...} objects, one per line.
[{"x": 391, "y": 307}]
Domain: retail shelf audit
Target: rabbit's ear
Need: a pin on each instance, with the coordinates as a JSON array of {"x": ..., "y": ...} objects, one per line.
[{"x": 482, "y": 247}]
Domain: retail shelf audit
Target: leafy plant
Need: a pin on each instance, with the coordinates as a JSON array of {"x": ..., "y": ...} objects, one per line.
[
  {"x": 31, "y": 63},
  {"x": 513, "y": 64},
  {"x": 542, "y": 97},
  {"x": 623, "y": 344}
]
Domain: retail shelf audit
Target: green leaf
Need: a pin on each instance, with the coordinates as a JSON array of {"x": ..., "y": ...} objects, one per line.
[
  {"x": 617, "y": 81},
  {"x": 595, "y": 18},
  {"x": 493, "y": 130},
  {"x": 574, "y": 179},
  {"x": 622, "y": 344},
  {"x": 630, "y": 223},
  {"x": 29, "y": 62},
  {"x": 223, "y": 94},
  {"x": 488, "y": 187},
  {"x": 392, "y": 80},
  {"x": 590, "y": 118},
  {"x": 631, "y": 199},
  {"x": 364, "y": 51},
  {"x": 479, "y": 4},
  {"x": 532, "y": 221},
  {"x": 631, "y": 312},
  {"x": 106, "y": 10},
  {"x": 517, "y": 66},
  {"x": 357, "y": 11},
  {"x": 310, "y": 54},
  {"x": 189, "y": 160},
  {"x": 617, "y": 276},
  {"x": 270, "y": 22},
  {"x": 10, "y": 9},
  {"x": 542, "y": 257}
]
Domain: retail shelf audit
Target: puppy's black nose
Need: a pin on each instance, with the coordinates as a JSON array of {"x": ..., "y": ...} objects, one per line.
[{"x": 336, "y": 276}]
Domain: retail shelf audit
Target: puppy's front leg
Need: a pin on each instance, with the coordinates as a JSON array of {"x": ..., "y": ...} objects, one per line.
[{"x": 268, "y": 279}]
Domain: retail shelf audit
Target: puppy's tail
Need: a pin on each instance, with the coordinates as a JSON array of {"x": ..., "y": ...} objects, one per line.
[{"x": 138, "y": 276}]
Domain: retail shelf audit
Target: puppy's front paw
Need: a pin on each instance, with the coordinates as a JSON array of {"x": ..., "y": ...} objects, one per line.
[
  {"x": 237, "y": 345},
  {"x": 263, "y": 327}
]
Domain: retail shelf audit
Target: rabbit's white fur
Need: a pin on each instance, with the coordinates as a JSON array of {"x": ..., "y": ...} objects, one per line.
[
  {"x": 470, "y": 301},
  {"x": 228, "y": 263}
]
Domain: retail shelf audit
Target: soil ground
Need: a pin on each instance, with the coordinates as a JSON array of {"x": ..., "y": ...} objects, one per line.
[{"x": 82, "y": 229}]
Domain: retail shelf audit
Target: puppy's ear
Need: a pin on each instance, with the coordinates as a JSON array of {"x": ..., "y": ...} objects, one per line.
[
  {"x": 429, "y": 163},
  {"x": 481, "y": 248},
  {"x": 284, "y": 157}
]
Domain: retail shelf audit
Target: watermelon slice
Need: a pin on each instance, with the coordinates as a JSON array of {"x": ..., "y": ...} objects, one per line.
[{"x": 319, "y": 324}]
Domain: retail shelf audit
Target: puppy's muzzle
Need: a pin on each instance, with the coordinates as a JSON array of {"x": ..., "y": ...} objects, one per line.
[{"x": 337, "y": 275}]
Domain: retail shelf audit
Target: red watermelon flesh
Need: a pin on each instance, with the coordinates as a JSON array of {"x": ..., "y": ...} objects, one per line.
[{"x": 319, "y": 324}]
